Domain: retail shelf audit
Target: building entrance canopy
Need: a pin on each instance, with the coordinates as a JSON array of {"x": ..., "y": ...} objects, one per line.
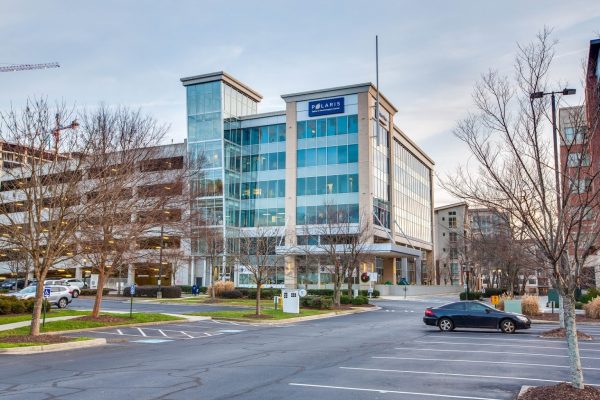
[{"x": 385, "y": 250}]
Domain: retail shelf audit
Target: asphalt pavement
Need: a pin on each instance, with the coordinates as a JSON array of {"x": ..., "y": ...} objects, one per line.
[{"x": 384, "y": 354}]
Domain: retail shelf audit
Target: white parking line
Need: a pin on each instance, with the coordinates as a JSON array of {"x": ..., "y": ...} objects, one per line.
[
  {"x": 493, "y": 352},
  {"x": 460, "y": 375},
  {"x": 497, "y": 339},
  {"x": 481, "y": 362},
  {"x": 119, "y": 331},
  {"x": 142, "y": 332},
  {"x": 162, "y": 333},
  {"x": 383, "y": 391},
  {"x": 188, "y": 335},
  {"x": 500, "y": 345}
]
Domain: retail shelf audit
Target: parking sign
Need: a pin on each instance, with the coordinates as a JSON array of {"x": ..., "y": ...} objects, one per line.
[
  {"x": 46, "y": 292},
  {"x": 132, "y": 289}
]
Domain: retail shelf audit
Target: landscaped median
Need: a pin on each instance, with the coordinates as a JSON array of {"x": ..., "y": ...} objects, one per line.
[
  {"x": 272, "y": 315},
  {"x": 18, "y": 340}
]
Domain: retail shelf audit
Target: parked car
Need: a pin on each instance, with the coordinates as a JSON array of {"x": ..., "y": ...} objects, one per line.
[
  {"x": 75, "y": 282},
  {"x": 13, "y": 284},
  {"x": 75, "y": 290},
  {"x": 474, "y": 314},
  {"x": 60, "y": 296}
]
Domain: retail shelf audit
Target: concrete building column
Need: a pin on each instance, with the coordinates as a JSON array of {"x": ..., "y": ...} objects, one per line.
[
  {"x": 130, "y": 275},
  {"x": 78, "y": 272},
  {"x": 404, "y": 266},
  {"x": 291, "y": 272},
  {"x": 418, "y": 264}
]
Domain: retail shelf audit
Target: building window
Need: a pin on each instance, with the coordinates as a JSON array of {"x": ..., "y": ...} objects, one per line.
[
  {"x": 578, "y": 159},
  {"x": 574, "y": 135},
  {"x": 451, "y": 222},
  {"x": 453, "y": 237}
]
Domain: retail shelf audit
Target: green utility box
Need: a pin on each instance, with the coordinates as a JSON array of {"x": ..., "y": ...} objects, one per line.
[
  {"x": 553, "y": 297},
  {"x": 513, "y": 306}
]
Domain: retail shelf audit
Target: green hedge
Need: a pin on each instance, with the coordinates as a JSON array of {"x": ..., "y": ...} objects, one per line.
[
  {"x": 318, "y": 302},
  {"x": 232, "y": 294},
  {"x": 168, "y": 292},
  {"x": 489, "y": 292},
  {"x": 12, "y": 305},
  {"x": 472, "y": 295},
  {"x": 185, "y": 289},
  {"x": 345, "y": 299},
  {"x": 329, "y": 292},
  {"x": 265, "y": 294},
  {"x": 360, "y": 300},
  {"x": 92, "y": 292}
]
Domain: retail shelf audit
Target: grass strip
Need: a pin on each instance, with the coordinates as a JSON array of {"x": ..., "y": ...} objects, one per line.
[
  {"x": 73, "y": 324},
  {"x": 9, "y": 319},
  {"x": 274, "y": 314}
]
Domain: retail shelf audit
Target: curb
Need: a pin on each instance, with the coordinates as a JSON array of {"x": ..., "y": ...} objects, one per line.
[
  {"x": 523, "y": 390},
  {"x": 54, "y": 347},
  {"x": 300, "y": 319},
  {"x": 542, "y": 321}
]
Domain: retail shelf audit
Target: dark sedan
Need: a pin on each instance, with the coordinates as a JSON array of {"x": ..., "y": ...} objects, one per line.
[{"x": 474, "y": 314}]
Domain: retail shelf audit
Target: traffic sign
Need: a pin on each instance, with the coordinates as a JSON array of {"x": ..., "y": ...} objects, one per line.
[
  {"x": 302, "y": 292},
  {"x": 47, "y": 292},
  {"x": 495, "y": 299},
  {"x": 132, "y": 289}
]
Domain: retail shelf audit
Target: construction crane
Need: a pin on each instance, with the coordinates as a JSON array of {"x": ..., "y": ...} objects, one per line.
[{"x": 23, "y": 67}]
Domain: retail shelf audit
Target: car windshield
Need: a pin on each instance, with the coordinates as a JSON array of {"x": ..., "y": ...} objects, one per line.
[{"x": 30, "y": 289}]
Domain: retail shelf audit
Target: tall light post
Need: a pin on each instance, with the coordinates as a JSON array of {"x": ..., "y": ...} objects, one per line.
[{"x": 539, "y": 95}]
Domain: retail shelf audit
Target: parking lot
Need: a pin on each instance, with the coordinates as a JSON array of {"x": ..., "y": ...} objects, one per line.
[
  {"x": 156, "y": 334},
  {"x": 464, "y": 364}
]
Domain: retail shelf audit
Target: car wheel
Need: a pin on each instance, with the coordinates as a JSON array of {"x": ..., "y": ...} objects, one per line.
[
  {"x": 62, "y": 303},
  {"x": 75, "y": 294},
  {"x": 445, "y": 325},
  {"x": 508, "y": 326}
]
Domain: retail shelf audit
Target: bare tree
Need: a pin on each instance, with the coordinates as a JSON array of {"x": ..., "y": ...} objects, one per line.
[
  {"x": 341, "y": 243},
  {"x": 40, "y": 199},
  {"x": 121, "y": 149},
  {"x": 516, "y": 175},
  {"x": 257, "y": 255},
  {"x": 211, "y": 246}
]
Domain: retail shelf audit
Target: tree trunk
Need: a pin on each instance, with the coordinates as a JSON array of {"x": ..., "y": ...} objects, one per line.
[
  {"x": 561, "y": 311},
  {"x": 337, "y": 286},
  {"x": 572, "y": 342},
  {"x": 258, "y": 287},
  {"x": 98, "y": 300},
  {"x": 350, "y": 282},
  {"x": 37, "y": 309}
]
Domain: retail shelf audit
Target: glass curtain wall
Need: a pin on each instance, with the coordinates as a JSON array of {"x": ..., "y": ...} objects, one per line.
[
  {"x": 262, "y": 178},
  {"x": 412, "y": 194},
  {"x": 327, "y": 159},
  {"x": 381, "y": 175}
]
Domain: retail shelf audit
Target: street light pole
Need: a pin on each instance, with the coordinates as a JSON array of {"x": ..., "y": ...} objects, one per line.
[{"x": 539, "y": 95}]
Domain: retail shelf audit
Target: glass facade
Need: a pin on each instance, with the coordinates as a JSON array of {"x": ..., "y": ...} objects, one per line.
[
  {"x": 381, "y": 175},
  {"x": 261, "y": 172},
  {"x": 327, "y": 162},
  {"x": 412, "y": 194}
]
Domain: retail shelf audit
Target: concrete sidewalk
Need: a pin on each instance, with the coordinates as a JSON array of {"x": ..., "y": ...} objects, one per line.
[{"x": 14, "y": 325}]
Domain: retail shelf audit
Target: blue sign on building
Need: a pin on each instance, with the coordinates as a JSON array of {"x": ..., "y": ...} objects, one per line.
[{"x": 326, "y": 107}]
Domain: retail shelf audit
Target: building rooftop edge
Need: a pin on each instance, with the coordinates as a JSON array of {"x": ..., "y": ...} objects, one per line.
[
  {"x": 412, "y": 143},
  {"x": 222, "y": 76},
  {"x": 460, "y": 203},
  {"x": 337, "y": 90},
  {"x": 262, "y": 115}
]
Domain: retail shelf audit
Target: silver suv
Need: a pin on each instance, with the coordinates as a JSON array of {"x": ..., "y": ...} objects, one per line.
[
  {"x": 60, "y": 296},
  {"x": 75, "y": 290}
]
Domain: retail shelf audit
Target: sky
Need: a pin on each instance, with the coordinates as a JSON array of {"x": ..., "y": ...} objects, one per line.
[{"x": 134, "y": 53}]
